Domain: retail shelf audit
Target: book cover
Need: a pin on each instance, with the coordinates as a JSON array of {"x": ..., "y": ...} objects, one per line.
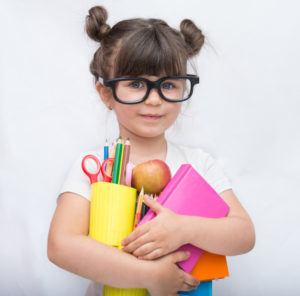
[{"x": 210, "y": 266}]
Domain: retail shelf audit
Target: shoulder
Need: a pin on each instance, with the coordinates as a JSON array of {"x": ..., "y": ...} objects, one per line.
[
  {"x": 76, "y": 180},
  {"x": 202, "y": 161},
  {"x": 195, "y": 156}
]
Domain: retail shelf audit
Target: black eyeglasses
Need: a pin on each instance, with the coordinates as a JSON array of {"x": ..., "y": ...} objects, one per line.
[{"x": 136, "y": 90}]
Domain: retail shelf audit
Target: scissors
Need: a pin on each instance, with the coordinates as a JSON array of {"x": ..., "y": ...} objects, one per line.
[{"x": 93, "y": 176}]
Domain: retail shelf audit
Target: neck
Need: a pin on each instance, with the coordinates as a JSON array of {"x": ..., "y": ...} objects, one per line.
[{"x": 146, "y": 148}]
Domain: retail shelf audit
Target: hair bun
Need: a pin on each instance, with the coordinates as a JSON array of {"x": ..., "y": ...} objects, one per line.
[
  {"x": 192, "y": 35},
  {"x": 95, "y": 24}
]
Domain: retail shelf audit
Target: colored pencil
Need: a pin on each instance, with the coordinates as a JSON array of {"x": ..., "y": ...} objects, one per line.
[
  {"x": 128, "y": 176},
  {"x": 138, "y": 211},
  {"x": 106, "y": 148},
  {"x": 143, "y": 210},
  {"x": 118, "y": 155},
  {"x": 121, "y": 162},
  {"x": 125, "y": 162},
  {"x": 112, "y": 152}
]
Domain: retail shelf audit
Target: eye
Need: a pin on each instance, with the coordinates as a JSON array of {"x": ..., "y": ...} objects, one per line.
[
  {"x": 167, "y": 85},
  {"x": 136, "y": 84}
]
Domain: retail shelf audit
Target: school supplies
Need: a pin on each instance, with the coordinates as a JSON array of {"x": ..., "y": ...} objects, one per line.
[
  {"x": 125, "y": 162},
  {"x": 121, "y": 162},
  {"x": 203, "y": 289},
  {"x": 106, "y": 149},
  {"x": 146, "y": 208},
  {"x": 111, "y": 212},
  {"x": 128, "y": 177},
  {"x": 94, "y": 176},
  {"x": 138, "y": 211},
  {"x": 118, "y": 155},
  {"x": 111, "y": 220},
  {"x": 109, "y": 166},
  {"x": 210, "y": 266},
  {"x": 189, "y": 194}
]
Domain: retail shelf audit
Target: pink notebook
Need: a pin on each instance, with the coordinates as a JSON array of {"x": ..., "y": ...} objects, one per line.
[{"x": 189, "y": 194}]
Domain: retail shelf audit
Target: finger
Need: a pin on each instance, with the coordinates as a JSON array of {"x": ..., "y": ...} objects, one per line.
[
  {"x": 135, "y": 234},
  {"x": 186, "y": 287},
  {"x": 180, "y": 256},
  {"x": 153, "y": 204},
  {"x": 145, "y": 249},
  {"x": 154, "y": 254},
  {"x": 190, "y": 280},
  {"x": 138, "y": 243}
]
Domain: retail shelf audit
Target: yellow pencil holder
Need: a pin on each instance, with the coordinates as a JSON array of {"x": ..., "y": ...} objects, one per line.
[{"x": 111, "y": 220}]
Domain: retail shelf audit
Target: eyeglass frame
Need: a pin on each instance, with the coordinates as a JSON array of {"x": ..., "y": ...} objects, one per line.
[{"x": 194, "y": 79}]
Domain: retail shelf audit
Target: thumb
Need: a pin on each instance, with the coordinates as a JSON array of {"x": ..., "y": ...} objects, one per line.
[
  {"x": 153, "y": 204},
  {"x": 180, "y": 256}
]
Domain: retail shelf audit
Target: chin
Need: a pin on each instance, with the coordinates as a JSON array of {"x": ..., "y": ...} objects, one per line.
[{"x": 150, "y": 133}]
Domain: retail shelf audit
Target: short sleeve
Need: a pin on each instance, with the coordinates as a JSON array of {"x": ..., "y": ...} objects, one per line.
[
  {"x": 214, "y": 175},
  {"x": 76, "y": 180},
  {"x": 202, "y": 162}
]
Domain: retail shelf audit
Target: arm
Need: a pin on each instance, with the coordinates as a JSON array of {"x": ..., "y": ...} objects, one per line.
[
  {"x": 70, "y": 248},
  {"x": 231, "y": 235}
]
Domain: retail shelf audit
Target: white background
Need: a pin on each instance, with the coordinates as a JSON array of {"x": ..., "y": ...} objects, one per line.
[{"x": 244, "y": 112}]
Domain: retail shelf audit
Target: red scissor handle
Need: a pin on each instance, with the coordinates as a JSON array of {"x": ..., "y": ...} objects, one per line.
[{"x": 92, "y": 176}]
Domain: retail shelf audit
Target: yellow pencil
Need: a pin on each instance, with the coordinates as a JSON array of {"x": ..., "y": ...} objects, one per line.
[{"x": 121, "y": 162}]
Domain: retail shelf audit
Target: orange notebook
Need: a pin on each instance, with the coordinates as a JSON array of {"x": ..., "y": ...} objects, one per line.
[{"x": 210, "y": 266}]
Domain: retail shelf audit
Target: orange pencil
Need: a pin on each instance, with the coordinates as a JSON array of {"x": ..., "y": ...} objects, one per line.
[{"x": 138, "y": 212}]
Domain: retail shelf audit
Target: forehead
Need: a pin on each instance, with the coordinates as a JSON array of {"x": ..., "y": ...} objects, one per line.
[
  {"x": 152, "y": 77},
  {"x": 149, "y": 55}
]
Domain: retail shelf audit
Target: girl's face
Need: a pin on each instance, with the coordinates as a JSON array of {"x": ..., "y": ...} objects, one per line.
[{"x": 150, "y": 118}]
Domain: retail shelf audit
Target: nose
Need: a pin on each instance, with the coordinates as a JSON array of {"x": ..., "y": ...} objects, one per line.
[{"x": 153, "y": 98}]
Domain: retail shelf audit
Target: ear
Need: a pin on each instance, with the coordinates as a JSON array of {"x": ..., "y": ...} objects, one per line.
[{"x": 105, "y": 94}]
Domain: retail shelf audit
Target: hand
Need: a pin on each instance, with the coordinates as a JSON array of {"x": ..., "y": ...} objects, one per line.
[
  {"x": 166, "y": 278},
  {"x": 157, "y": 237}
]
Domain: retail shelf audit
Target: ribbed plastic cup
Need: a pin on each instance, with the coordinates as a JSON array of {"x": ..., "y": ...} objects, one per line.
[
  {"x": 111, "y": 291},
  {"x": 112, "y": 212},
  {"x": 111, "y": 220}
]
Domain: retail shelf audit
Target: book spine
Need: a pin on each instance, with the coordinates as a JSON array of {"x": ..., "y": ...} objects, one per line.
[{"x": 176, "y": 180}]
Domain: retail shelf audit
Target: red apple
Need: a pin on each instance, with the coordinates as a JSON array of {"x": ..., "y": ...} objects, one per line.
[{"x": 154, "y": 175}]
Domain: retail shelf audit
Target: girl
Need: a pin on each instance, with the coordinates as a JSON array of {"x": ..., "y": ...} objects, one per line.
[{"x": 140, "y": 72}]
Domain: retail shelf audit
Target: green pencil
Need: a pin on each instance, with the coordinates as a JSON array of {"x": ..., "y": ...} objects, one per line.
[{"x": 117, "y": 163}]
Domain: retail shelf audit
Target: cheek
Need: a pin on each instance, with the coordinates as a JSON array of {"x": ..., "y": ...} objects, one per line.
[
  {"x": 125, "y": 113},
  {"x": 173, "y": 111}
]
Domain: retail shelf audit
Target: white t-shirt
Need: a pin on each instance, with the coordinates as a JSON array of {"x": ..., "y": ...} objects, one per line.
[{"x": 200, "y": 160}]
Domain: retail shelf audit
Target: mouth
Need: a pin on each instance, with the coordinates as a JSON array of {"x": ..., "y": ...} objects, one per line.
[{"x": 151, "y": 116}]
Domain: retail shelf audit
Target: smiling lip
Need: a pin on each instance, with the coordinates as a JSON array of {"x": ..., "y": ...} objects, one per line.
[{"x": 151, "y": 116}]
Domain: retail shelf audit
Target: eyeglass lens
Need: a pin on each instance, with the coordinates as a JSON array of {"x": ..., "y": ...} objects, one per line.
[{"x": 135, "y": 90}]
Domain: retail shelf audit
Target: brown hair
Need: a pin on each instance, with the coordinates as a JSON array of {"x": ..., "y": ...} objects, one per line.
[{"x": 140, "y": 46}]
